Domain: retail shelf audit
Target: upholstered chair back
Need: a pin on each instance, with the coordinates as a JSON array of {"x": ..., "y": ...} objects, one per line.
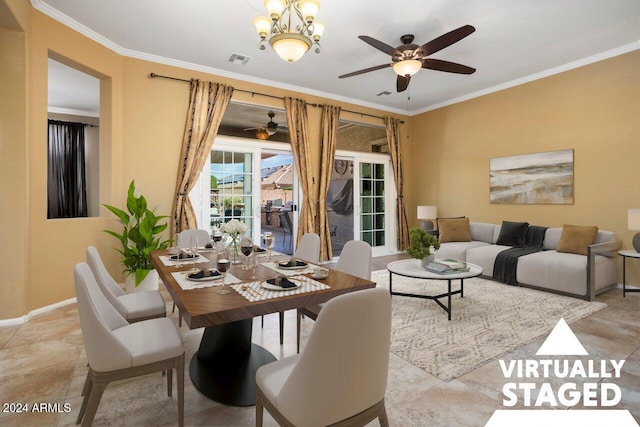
[
  {"x": 98, "y": 320},
  {"x": 201, "y": 237},
  {"x": 106, "y": 283},
  {"x": 309, "y": 248},
  {"x": 343, "y": 368},
  {"x": 355, "y": 259}
]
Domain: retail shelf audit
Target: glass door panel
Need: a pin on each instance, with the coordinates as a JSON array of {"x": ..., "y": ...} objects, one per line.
[
  {"x": 277, "y": 207},
  {"x": 340, "y": 204},
  {"x": 372, "y": 196},
  {"x": 232, "y": 188}
]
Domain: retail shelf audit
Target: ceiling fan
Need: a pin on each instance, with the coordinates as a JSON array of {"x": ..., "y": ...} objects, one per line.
[
  {"x": 408, "y": 58},
  {"x": 268, "y": 129}
]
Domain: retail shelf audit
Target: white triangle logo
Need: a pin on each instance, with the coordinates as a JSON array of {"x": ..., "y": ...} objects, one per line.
[{"x": 561, "y": 342}]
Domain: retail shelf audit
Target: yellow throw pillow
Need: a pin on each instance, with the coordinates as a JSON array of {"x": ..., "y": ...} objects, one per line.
[
  {"x": 576, "y": 238},
  {"x": 454, "y": 230}
]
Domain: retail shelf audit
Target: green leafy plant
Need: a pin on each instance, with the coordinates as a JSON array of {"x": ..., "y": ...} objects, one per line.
[
  {"x": 139, "y": 234},
  {"x": 421, "y": 243}
]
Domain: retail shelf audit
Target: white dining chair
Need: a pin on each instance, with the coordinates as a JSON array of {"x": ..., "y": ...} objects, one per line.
[
  {"x": 118, "y": 350},
  {"x": 308, "y": 250},
  {"x": 355, "y": 259},
  {"x": 133, "y": 307},
  {"x": 201, "y": 237},
  {"x": 340, "y": 378}
]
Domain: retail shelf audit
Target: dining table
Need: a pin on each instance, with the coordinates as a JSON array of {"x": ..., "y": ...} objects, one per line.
[{"x": 224, "y": 366}]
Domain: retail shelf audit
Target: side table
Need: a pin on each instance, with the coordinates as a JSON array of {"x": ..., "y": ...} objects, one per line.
[{"x": 627, "y": 254}]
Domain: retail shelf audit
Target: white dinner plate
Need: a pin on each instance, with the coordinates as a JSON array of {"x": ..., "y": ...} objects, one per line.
[{"x": 280, "y": 288}]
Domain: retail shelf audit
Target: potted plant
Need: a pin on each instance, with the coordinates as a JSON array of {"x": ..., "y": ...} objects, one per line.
[
  {"x": 138, "y": 238},
  {"x": 421, "y": 243}
]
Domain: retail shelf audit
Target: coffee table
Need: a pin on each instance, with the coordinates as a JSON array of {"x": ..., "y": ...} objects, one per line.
[{"x": 413, "y": 268}]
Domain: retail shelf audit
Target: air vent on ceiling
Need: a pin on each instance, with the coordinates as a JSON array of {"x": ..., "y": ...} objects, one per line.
[
  {"x": 238, "y": 58},
  {"x": 384, "y": 92}
]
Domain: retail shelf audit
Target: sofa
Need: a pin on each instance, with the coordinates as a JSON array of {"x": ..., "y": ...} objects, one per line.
[{"x": 572, "y": 274}]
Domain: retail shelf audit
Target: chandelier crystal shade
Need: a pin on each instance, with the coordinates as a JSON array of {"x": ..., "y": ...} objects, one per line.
[{"x": 291, "y": 27}]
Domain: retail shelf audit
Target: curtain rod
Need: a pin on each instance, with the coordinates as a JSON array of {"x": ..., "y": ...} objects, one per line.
[
  {"x": 154, "y": 75},
  {"x": 67, "y": 121}
]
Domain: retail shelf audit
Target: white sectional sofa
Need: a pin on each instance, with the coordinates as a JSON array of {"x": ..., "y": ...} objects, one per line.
[{"x": 564, "y": 273}]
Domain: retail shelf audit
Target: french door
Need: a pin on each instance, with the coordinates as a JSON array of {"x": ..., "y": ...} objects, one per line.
[
  {"x": 239, "y": 182},
  {"x": 361, "y": 202}
]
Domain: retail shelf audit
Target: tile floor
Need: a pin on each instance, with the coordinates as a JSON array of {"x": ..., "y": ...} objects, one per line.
[{"x": 43, "y": 361}]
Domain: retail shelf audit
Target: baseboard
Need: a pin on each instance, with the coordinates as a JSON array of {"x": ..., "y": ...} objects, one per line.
[{"x": 23, "y": 319}]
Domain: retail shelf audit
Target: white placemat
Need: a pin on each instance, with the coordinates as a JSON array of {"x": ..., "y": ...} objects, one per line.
[
  {"x": 187, "y": 284},
  {"x": 288, "y": 272},
  {"x": 166, "y": 260},
  {"x": 253, "y": 291}
]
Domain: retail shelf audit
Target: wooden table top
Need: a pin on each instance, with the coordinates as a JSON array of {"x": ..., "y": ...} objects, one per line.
[{"x": 206, "y": 307}]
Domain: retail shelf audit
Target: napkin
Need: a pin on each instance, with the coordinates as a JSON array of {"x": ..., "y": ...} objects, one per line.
[
  {"x": 181, "y": 255},
  {"x": 296, "y": 263},
  {"x": 204, "y": 273},
  {"x": 284, "y": 283}
]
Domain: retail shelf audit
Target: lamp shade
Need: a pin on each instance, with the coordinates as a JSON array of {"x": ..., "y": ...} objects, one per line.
[
  {"x": 408, "y": 67},
  {"x": 633, "y": 219},
  {"x": 290, "y": 46},
  {"x": 263, "y": 26},
  {"x": 427, "y": 212}
]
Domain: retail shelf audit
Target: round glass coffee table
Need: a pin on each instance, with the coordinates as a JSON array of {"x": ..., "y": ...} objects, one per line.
[{"x": 413, "y": 268}]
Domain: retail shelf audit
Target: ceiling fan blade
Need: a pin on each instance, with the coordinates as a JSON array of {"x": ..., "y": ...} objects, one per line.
[
  {"x": 246, "y": 129},
  {"x": 449, "y": 67},
  {"x": 445, "y": 40},
  {"x": 402, "y": 83},
  {"x": 379, "y": 45},
  {"x": 366, "y": 70}
]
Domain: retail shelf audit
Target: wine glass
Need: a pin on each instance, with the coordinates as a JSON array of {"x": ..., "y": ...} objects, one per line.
[
  {"x": 246, "y": 246},
  {"x": 193, "y": 251},
  {"x": 217, "y": 237},
  {"x": 269, "y": 243},
  {"x": 223, "y": 265}
]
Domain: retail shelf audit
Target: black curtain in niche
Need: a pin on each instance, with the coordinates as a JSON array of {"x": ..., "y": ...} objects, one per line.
[{"x": 66, "y": 181}]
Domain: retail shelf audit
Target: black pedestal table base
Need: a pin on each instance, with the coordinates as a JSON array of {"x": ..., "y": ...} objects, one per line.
[{"x": 224, "y": 368}]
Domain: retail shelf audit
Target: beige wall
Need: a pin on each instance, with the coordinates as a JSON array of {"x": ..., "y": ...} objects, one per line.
[
  {"x": 141, "y": 125},
  {"x": 13, "y": 173},
  {"x": 593, "y": 110}
]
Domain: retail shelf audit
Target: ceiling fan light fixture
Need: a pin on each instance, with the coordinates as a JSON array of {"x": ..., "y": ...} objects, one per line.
[
  {"x": 291, "y": 28},
  {"x": 290, "y": 46},
  {"x": 407, "y": 67},
  {"x": 262, "y": 134}
]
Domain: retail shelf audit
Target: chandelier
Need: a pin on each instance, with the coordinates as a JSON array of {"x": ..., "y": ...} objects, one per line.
[{"x": 291, "y": 27}]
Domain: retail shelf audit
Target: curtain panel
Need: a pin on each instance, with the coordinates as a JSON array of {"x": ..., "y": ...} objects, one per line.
[
  {"x": 66, "y": 175},
  {"x": 297, "y": 121},
  {"x": 395, "y": 149},
  {"x": 207, "y": 104},
  {"x": 329, "y": 129}
]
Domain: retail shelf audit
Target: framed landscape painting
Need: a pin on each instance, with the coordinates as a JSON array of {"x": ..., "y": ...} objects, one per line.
[{"x": 540, "y": 178}]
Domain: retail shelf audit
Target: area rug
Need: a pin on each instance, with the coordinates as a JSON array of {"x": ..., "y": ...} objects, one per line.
[{"x": 491, "y": 320}]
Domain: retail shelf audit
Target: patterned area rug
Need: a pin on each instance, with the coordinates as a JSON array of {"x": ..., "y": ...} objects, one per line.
[{"x": 491, "y": 320}]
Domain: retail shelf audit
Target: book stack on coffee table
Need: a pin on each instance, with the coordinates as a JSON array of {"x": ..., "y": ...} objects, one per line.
[{"x": 447, "y": 266}]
